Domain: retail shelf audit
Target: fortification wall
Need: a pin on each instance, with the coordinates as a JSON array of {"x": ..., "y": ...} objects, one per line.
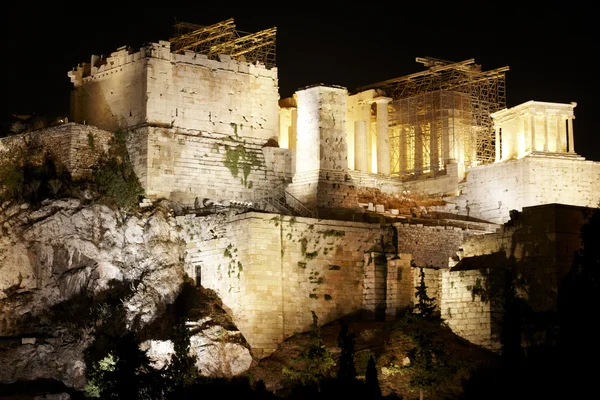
[
  {"x": 186, "y": 91},
  {"x": 530, "y": 256},
  {"x": 183, "y": 166},
  {"x": 111, "y": 96},
  {"x": 430, "y": 246},
  {"x": 271, "y": 271},
  {"x": 77, "y": 147},
  {"x": 465, "y": 312},
  {"x": 192, "y": 92},
  {"x": 491, "y": 191},
  {"x": 320, "y": 177}
]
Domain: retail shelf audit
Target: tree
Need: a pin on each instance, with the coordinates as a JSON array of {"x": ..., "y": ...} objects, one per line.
[
  {"x": 371, "y": 380},
  {"x": 430, "y": 363},
  {"x": 124, "y": 373},
  {"x": 314, "y": 363},
  {"x": 182, "y": 370},
  {"x": 425, "y": 306},
  {"x": 346, "y": 342},
  {"x": 578, "y": 304}
]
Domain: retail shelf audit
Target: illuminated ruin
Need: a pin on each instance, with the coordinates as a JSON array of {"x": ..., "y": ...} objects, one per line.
[{"x": 204, "y": 121}]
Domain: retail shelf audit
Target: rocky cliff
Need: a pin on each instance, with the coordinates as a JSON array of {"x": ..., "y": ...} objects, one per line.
[{"x": 67, "y": 268}]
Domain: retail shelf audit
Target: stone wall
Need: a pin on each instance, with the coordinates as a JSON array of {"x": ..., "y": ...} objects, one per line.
[
  {"x": 77, "y": 146},
  {"x": 183, "y": 165},
  {"x": 430, "y": 246},
  {"x": 531, "y": 254},
  {"x": 271, "y": 271},
  {"x": 491, "y": 191},
  {"x": 111, "y": 96},
  {"x": 320, "y": 176},
  {"x": 400, "y": 293},
  {"x": 187, "y": 91},
  {"x": 433, "y": 283},
  {"x": 465, "y": 312}
]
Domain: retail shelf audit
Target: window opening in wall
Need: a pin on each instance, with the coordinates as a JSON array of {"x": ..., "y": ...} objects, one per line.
[{"x": 198, "y": 275}]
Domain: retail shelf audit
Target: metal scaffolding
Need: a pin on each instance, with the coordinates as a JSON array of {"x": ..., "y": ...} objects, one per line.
[
  {"x": 223, "y": 38},
  {"x": 442, "y": 115}
]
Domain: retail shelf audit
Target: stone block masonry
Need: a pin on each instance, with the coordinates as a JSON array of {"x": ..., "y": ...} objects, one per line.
[
  {"x": 271, "y": 270},
  {"x": 400, "y": 285},
  {"x": 430, "y": 246},
  {"x": 156, "y": 87},
  {"x": 321, "y": 179},
  {"x": 491, "y": 191},
  {"x": 532, "y": 255},
  {"x": 183, "y": 165},
  {"x": 465, "y": 312},
  {"x": 78, "y": 147}
]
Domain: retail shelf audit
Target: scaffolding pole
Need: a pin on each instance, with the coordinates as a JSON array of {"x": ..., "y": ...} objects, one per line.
[
  {"x": 442, "y": 115},
  {"x": 223, "y": 38}
]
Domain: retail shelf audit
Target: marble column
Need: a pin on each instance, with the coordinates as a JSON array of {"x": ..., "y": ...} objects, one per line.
[
  {"x": 418, "y": 150},
  {"x": 434, "y": 163},
  {"x": 497, "y": 132},
  {"x": 545, "y": 132},
  {"x": 361, "y": 146},
  {"x": 571, "y": 142},
  {"x": 403, "y": 156},
  {"x": 532, "y": 125},
  {"x": 445, "y": 145},
  {"x": 383, "y": 139},
  {"x": 558, "y": 133}
]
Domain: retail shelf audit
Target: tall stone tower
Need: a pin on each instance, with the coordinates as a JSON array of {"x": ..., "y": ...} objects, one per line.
[{"x": 321, "y": 179}]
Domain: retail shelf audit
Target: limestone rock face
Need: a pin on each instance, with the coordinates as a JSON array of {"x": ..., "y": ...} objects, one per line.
[
  {"x": 59, "y": 358},
  {"x": 217, "y": 354},
  {"x": 65, "y": 249},
  {"x": 217, "y": 351},
  {"x": 159, "y": 352}
]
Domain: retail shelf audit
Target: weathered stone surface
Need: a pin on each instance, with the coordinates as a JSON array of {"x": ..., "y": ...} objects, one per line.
[
  {"x": 59, "y": 358},
  {"x": 54, "y": 396},
  {"x": 159, "y": 352},
  {"x": 65, "y": 249},
  {"x": 216, "y": 356}
]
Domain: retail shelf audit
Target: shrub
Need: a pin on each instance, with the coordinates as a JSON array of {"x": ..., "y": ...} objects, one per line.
[
  {"x": 315, "y": 362},
  {"x": 32, "y": 175},
  {"x": 115, "y": 178}
]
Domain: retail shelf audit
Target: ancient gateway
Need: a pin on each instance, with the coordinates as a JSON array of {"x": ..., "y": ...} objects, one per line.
[{"x": 205, "y": 125}]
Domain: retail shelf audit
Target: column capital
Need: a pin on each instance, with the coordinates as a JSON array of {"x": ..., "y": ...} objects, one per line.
[{"x": 382, "y": 99}]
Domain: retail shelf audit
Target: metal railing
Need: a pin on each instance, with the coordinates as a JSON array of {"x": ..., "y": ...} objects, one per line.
[
  {"x": 282, "y": 200},
  {"x": 297, "y": 205}
]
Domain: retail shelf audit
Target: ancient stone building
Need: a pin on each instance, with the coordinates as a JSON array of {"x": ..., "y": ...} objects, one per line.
[{"x": 204, "y": 121}]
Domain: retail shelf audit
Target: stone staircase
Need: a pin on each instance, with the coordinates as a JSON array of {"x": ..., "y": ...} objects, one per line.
[{"x": 284, "y": 202}]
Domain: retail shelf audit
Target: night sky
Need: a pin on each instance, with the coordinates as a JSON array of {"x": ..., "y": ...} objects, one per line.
[{"x": 550, "y": 49}]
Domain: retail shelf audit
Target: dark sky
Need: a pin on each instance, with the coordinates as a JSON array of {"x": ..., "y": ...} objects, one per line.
[{"x": 551, "y": 50}]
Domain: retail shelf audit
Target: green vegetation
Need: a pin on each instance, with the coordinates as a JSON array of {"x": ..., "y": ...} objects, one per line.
[
  {"x": 237, "y": 158},
  {"x": 32, "y": 175},
  {"x": 314, "y": 363},
  {"x": 430, "y": 365},
  {"x": 114, "y": 177},
  {"x": 91, "y": 143},
  {"x": 332, "y": 233},
  {"x": 478, "y": 290}
]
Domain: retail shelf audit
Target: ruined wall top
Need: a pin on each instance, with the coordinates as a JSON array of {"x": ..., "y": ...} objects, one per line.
[{"x": 99, "y": 66}]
